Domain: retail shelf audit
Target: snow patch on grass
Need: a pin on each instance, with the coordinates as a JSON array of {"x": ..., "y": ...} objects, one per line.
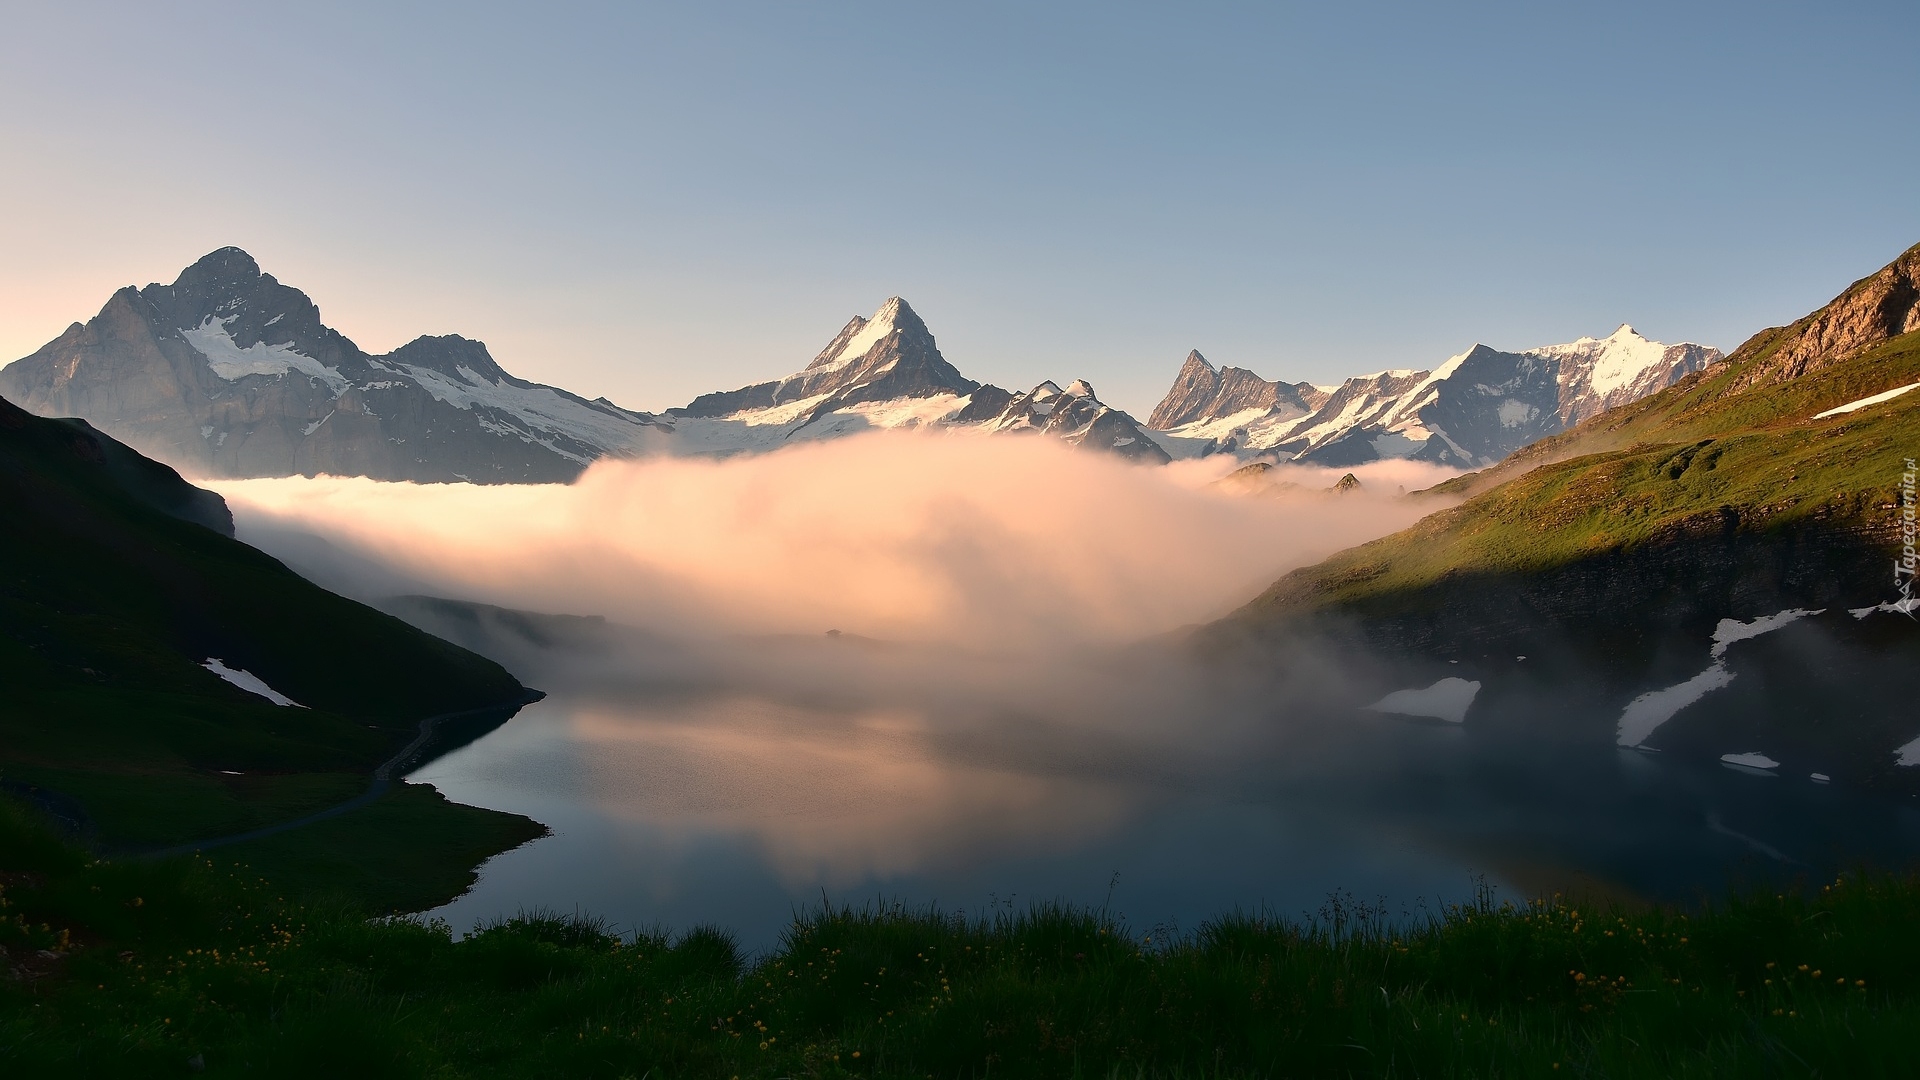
[
  {"x": 1446, "y": 700},
  {"x": 248, "y": 681}
]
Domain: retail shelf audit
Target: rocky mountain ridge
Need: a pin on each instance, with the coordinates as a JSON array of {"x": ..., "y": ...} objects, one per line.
[
  {"x": 1876, "y": 308},
  {"x": 1469, "y": 412},
  {"x": 228, "y": 372},
  {"x": 1202, "y": 392}
]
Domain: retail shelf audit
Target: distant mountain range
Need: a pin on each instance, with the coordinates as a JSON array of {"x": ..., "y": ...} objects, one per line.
[
  {"x": 1469, "y": 412},
  {"x": 227, "y": 372}
]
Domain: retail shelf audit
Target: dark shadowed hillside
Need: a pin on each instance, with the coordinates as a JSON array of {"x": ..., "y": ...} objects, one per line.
[{"x": 118, "y": 582}]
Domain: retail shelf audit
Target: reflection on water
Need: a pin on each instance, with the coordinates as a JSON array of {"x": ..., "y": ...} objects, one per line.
[
  {"x": 736, "y": 810},
  {"x": 732, "y": 782},
  {"x": 682, "y": 809}
]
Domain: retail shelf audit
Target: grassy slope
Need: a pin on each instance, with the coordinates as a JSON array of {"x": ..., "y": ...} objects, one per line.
[
  {"x": 1696, "y": 458},
  {"x": 411, "y": 850},
  {"x": 107, "y": 605},
  {"x": 165, "y": 966}
]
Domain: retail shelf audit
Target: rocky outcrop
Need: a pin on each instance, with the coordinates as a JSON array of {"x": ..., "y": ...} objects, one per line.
[
  {"x": 229, "y": 373},
  {"x": 1870, "y": 311}
]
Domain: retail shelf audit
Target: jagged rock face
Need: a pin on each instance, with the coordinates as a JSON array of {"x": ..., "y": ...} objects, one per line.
[
  {"x": 1202, "y": 391},
  {"x": 1492, "y": 404},
  {"x": 889, "y": 356},
  {"x": 1077, "y": 417},
  {"x": 1873, "y": 309},
  {"x": 227, "y": 372},
  {"x": 1471, "y": 411}
]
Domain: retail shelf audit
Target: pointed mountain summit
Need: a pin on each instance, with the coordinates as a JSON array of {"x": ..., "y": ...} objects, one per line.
[
  {"x": 228, "y": 372},
  {"x": 889, "y": 356},
  {"x": 886, "y": 372},
  {"x": 1203, "y": 392}
]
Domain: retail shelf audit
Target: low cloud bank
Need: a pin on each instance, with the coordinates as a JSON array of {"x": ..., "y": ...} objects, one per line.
[{"x": 996, "y": 543}]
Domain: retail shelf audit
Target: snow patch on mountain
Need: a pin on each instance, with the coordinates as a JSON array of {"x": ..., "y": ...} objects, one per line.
[
  {"x": 248, "y": 681},
  {"x": 1856, "y": 406},
  {"x": 1908, "y": 754},
  {"x": 539, "y": 410},
  {"x": 1730, "y": 631},
  {"x": 761, "y": 430},
  {"x": 1515, "y": 413},
  {"x": 229, "y": 361},
  {"x": 876, "y": 330},
  {"x": 1446, "y": 700},
  {"x": 1644, "y": 714}
]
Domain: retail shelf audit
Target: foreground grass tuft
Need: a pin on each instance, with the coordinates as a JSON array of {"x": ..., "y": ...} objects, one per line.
[{"x": 154, "y": 969}]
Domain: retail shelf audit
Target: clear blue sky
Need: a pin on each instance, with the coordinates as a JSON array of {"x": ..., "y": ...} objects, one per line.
[{"x": 652, "y": 201}]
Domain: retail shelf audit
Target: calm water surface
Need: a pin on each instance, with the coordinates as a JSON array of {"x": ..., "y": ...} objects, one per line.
[{"x": 738, "y": 809}]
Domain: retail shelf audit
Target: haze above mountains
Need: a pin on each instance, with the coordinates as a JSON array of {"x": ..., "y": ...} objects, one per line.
[{"x": 227, "y": 372}]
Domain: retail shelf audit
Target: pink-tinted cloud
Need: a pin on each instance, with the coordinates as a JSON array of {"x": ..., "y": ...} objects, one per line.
[{"x": 988, "y": 541}]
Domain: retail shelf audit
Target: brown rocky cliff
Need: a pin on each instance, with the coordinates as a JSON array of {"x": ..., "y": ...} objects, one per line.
[{"x": 1873, "y": 309}]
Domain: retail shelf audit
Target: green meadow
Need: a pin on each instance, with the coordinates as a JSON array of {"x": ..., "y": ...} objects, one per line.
[{"x": 202, "y": 966}]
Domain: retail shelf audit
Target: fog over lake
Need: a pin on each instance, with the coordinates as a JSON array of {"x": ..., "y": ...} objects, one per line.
[{"x": 953, "y": 670}]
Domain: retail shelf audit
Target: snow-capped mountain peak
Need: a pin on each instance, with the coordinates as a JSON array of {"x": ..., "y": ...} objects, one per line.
[
  {"x": 888, "y": 356},
  {"x": 862, "y": 335},
  {"x": 228, "y": 372},
  {"x": 1616, "y": 362},
  {"x": 885, "y": 372}
]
